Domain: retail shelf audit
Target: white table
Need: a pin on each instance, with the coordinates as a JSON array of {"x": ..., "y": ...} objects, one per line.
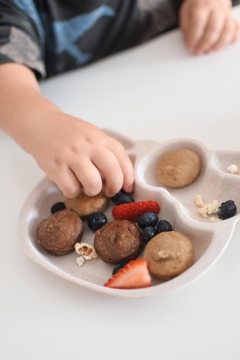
[{"x": 157, "y": 91}]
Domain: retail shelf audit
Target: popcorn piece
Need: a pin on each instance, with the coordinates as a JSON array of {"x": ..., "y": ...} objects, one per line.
[
  {"x": 206, "y": 209},
  {"x": 214, "y": 219},
  {"x": 216, "y": 204},
  {"x": 198, "y": 201},
  {"x": 203, "y": 210},
  {"x": 233, "y": 169},
  {"x": 212, "y": 208},
  {"x": 86, "y": 250},
  {"x": 80, "y": 260}
]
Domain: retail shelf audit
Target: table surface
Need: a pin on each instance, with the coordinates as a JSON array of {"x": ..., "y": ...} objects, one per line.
[{"x": 157, "y": 91}]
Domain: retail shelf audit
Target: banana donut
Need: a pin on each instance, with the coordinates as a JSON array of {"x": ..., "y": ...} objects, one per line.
[
  {"x": 86, "y": 205},
  {"x": 179, "y": 168},
  {"x": 168, "y": 254}
]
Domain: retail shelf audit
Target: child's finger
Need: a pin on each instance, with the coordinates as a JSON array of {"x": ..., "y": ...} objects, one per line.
[
  {"x": 126, "y": 167},
  {"x": 184, "y": 19},
  {"x": 213, "y": 31},
  {"x": 193, "y": 25},
  {"x": 87, "y": 174},
  {"x": 128, "y": 175},
  {"x": 108, "y": 165},
  {"x": 237, "y": 34},
  {"x": 67, "y": 182},
  {"x": 228, "y": 34}
]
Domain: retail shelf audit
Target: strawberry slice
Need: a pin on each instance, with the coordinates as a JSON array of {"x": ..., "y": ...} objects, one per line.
[
  {"x": 132, "y": 276},
  {"x": 133, "y": 210}
]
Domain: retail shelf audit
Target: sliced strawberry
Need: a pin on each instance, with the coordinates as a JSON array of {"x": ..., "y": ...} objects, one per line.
[
  {"x": 133, "y": 210},
  {"x": 132, "y": 276}
]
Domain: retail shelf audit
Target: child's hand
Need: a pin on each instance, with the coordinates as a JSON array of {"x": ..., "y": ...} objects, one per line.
[
  {"x": 75, "y": 154},
  {"x": 72, "y": 152},
  {"x": 208, "y": 25}
]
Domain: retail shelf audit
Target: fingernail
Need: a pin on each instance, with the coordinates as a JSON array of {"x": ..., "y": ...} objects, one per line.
[
  {"x": 198, "y": 51},
  {"x": 129, "y": 189}
]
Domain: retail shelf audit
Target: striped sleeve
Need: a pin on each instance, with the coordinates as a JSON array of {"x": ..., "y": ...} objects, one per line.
[{"x": 20, "y": 36}]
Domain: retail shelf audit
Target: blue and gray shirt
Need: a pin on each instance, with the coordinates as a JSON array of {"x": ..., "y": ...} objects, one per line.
[{"x": 53, "y": 36}]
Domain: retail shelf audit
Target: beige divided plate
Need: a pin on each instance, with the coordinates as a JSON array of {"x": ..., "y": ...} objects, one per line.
[{"x": 209, "y": 239}]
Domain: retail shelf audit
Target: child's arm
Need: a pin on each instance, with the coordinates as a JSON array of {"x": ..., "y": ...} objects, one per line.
[
  {"x": 208, "y": 25},
  {"x": 72, "y": 152}
]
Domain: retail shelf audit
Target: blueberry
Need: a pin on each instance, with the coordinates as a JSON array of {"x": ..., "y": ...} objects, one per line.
[
  {"x": 124, "y": 199},
  {"x": 118, "y": 267},
  {"x": 227, "y": 210},
  {"x": 115, "y": 197},
  {"x": 96, "y": 221},
  {"x": 164, "y": 225},
  {"x": 148, "y": 233},
  {"x": 58, "y": 207},
  {"x": 147, "y": 219}
]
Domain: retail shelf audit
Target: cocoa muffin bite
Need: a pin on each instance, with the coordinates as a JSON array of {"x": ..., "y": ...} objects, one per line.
[
  {"x": 168, "y": 254},
  {"x": 86, "y": 205},
  {"x": 118, "y": 241},
  {"x": 59, "y": 232}
]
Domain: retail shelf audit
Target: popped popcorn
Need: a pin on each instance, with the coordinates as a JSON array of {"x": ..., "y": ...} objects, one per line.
[
  {"x": 214, "y": 219},
  {"x": 216, "y": 203},
  {"x": 80, "y": 260},
  {"x": 203, "y": 210},
  {"x": 86, "y": 251},
  {"x": 233, "y": 169},
  {"x": 206, "y": 209},
  {"x": 212, "y": 208},
  {"x": 198, "y": 201}
]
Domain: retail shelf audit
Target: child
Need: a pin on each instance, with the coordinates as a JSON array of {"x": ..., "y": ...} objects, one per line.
[{"x": 42, "y": 38}]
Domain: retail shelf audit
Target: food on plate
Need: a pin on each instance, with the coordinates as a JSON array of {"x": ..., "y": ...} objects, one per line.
[
  {"x": 58, "y": 206},
  {"x": 179, "y": 168},
  {"x": 168, "y": 254},
  {"x": 119, "y": 266},
  {"x": 206, "y": 209},
  {"x": 148, "y": 233},
  {"x": 133, "y": 210},
  {"x": 96, "y": 220},
  {"x": 85, "y": 205},
  {"x": 122, "y": 198},
  {"x": 118, "y": 241},
  {"x": 227, "y": 210},
  {"x": 164, "y": 225},
  {"x": 86, "y": 252},
  {"x": 224, "y": 211},
  {"x": 233, "y": 169},
  {"x": 59, "y": 233},
  {"x": 133, "y": 275},
  {"x": 147, "y": 219},
  {"x": 151, "y": 225}
]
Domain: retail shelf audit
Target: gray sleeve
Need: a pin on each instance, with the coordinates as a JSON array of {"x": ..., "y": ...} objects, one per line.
[{"x": 20, "y": 39}]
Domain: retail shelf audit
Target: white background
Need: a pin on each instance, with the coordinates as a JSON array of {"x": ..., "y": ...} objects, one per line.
[{"x": 157, "y": 91}]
